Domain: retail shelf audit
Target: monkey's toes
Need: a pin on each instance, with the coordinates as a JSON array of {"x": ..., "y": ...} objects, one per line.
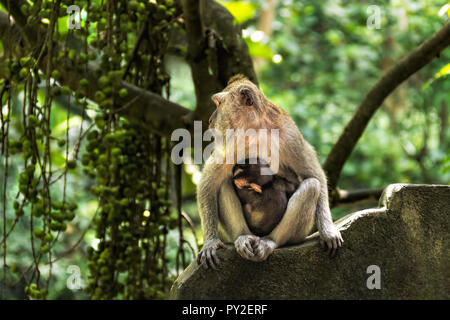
[
  {"x": 332, "y": 243},
  {"x": 263, "y": 250},
  {"x": 244, "y": 246},
  {"x": 208, "y": 256}
]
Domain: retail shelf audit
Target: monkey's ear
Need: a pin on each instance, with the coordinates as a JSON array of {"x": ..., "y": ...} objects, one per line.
[
  {"x": 218, "y": 98},
  {"x": 246, "y": 96}
]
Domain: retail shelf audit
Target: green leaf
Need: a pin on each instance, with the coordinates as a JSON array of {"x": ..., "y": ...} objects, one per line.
[
  {"x": 259, "y": 50},
  {"x": 444, "y": 71},
  {"x": 242, "y": 11},
  {"x": 63, "y": 24},
  {"x": 61, "y": 127},
  {"x": 58, "y": 159}
]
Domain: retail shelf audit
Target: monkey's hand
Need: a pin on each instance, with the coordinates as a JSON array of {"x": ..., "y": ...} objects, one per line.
[
  {"x": 263, "y": 249},
  {"x": 207, "y": 257},
  {"x": 331, "y": 237},
  {"x": 245, "y": 246}
]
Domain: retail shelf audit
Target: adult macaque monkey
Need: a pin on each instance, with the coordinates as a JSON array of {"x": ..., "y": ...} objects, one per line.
[{"x": 241, "y": 105}]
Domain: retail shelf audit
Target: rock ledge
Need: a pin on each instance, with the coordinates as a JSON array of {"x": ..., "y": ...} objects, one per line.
[{"x": 408, "y": 238}]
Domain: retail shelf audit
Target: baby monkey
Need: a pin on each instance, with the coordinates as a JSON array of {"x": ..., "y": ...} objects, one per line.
[{"x": 264, "y": 198}]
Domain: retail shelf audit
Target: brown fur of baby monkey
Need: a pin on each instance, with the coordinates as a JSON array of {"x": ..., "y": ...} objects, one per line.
[{"x": 264, "y": 198}]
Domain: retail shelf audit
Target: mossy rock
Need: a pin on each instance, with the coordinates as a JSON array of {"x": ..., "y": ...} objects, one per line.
[{"x": 407, "y": 238}]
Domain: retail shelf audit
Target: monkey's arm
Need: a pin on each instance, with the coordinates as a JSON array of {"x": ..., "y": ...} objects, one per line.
[
  {"x": 213, "y": 175},
  {"x": 329, "y": 234}
]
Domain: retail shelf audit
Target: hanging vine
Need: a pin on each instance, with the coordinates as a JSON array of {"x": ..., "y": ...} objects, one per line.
[{"x": 131, "y": 167}]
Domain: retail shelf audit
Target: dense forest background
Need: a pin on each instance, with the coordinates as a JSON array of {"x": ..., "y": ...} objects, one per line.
[{"x": 89, "y": 190}]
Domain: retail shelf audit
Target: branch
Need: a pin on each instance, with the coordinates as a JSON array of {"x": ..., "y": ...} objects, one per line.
[
  {"x": 148, "y": 110},
  {"x": 9, "y": 33},
  {"x": 420, "y": 57},
  {"x": 347, "y": 197},
  {"x": 216, "y": 51},
  {"x": 205, "y": 82},
  {"x": 29, "y": 34},
  {"x": 143, "y": 108},
  {"x": 231, "y": 51}
]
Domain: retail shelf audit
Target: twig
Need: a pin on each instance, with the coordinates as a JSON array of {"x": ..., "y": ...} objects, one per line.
[{"x": 401, "y": 71}]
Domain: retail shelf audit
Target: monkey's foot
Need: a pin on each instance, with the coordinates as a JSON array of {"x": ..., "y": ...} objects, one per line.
[
  {"x": 263, "y": 249},
  {"x": 332, "y": 239},
  {"x": 207, "y": 256},
  {"x": 244, "y": 246}
]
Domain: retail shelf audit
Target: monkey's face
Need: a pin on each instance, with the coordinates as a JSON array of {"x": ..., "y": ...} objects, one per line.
[
  {"x": 243, "y": 109},
  {"x": 238, "y": 106}
]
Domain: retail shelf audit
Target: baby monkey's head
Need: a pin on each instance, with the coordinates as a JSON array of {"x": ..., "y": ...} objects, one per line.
[{"x": 248, "y": 176}]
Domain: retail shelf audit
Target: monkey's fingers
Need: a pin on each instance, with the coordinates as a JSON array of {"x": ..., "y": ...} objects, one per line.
[
  {"x": 333, "y": 253},
  {"x": 254, "y": 241},
  {"x": 215, "y": 257},
  {"x": 263, "y": 250},
  {"x": 335, "y": 243},
  {"x": 259, "y": 252},
  {"x": 210, "y": 260},
  {"x": 244, "y": 251},
  {"x": 330, "y": 246},
  {"x": 248, "y": 253},
  {"x": 341, "y": 241},
  {"x": 334, "y": 248},
  {"x": 204, "y": 262},
  {"x": 248, "y": 245}
]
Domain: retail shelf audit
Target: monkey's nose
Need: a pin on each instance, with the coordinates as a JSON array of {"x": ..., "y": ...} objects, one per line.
[{"x": 218, "y": 98}]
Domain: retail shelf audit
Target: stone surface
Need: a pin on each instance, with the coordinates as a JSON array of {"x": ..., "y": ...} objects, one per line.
[{"x": 408, "y": 238}]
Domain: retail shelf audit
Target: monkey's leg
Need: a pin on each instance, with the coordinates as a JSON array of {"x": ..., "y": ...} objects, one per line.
[
  {"x": 232, "y": 222},
  {"x": 330, "y": 236},
  {"x": 296, "y": 222}
]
